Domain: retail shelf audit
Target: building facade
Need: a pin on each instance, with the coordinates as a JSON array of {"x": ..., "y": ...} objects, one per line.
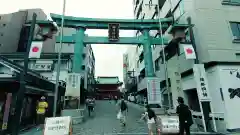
[
  {"x": 13, "y": 37},
  {"x": 216, "y": 36}
]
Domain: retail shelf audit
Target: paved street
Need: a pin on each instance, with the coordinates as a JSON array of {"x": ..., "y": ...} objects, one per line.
[{"x": 105, "y": 122}]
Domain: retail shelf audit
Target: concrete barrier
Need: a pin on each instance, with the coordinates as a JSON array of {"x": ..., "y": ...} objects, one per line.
[{"x": 77, "y": 115}]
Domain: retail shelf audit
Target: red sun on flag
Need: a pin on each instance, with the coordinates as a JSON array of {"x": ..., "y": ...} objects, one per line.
[
  {"x": 124, "y": 65},
  {"x": 35, "y": 49},
  {"x": 189, "y": 51}
]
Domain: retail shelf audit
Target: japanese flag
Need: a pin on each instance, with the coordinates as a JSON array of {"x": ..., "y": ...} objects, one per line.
[
  {"x": 189, "y": 52},
  {"x": 36, "y": 49}
]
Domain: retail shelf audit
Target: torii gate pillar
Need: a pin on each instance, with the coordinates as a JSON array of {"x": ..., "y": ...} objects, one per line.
[
  {"x": 147, "y": 52},
  {"x": 78, "y": 49}
]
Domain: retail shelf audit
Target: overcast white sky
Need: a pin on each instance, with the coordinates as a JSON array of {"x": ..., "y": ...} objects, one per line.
[{"x": 108, "y": 57}]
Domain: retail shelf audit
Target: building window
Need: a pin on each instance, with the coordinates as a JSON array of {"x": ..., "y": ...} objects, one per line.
[
  {"x": 153, "y": 47},
  {"x": 84, "y": 56},
  {"x": 149, "y": 4},
  {"x": 157, "y": 66},
  {"x": 235, "y": 27},
  {"x": 139, "y": 10},
  {"x": 141, "y": 57},
  {"x": 143, "y": 16},
  {"x": 231, "y": 2},
  {"x": 83, "y": 67},
  {"x": 179, "y": 11},
  {"x": 137, "y": 2}
]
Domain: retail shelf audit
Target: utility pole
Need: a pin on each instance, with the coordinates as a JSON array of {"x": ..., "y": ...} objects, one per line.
[
  {"x": 163, "y": 54},
  {"x": 59, "y": 62},
  {"x": 22, "y": 89}
]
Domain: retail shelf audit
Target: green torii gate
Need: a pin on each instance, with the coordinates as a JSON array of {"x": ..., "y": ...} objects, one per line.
[{"x": 80, "y": 39}]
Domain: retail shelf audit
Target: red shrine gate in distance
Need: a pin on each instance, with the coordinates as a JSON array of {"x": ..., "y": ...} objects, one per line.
[{"x": 107, "y": 88}]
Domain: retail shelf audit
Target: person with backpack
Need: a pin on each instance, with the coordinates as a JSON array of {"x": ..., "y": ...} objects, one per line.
[
  {"x": 152, "y": 120},
  {"x": 123, "y": 108},
  {"x": 185, "y": 117}
]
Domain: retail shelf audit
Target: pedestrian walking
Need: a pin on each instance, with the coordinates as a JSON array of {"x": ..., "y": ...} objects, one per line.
[
  {"x": 41, "y": 111},
  {"x": 115, "y": 99},
  {"x": 122, "y": 113},
  {"x": 185, "y": 117},
  {"x": 90, "y": 103},
  {"x": 153, "y": 121}
]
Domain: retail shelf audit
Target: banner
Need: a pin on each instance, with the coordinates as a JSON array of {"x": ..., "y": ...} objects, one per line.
[
  {"x": 153, "y": 90},
  {"x": 202, "y": 82},
  {"x": 230, "y": 94},
  {"x": 35, "y": 49},
  {"x": 189, "y": 52}
]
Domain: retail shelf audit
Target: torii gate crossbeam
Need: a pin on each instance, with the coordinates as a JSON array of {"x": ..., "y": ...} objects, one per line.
[
  {"x": 80, "y": 39},
  {"x": 97, "y": 23},
  {"x": 104, "y": 40}
]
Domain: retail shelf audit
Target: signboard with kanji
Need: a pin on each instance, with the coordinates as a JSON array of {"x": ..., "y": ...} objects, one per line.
[
  {"x": 58, "y": 126},
  {"x": 73, "y": 85},
  {"x": 202, "y": 82},
  {"x": 176, "y": 84},
  {"x": 153, "y": 90},
  {"x": 113, "y": 31}
]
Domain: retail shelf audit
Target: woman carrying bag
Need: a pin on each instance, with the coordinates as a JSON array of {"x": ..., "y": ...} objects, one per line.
[{"x": 153, "y": 121}]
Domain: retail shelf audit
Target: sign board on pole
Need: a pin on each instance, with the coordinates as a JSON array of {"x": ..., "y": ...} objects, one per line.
[
  {"x": 113, "y": 31},
  {"x": 153, "y": 90},
  {"x": 36, "y": 49},
  {"x": 176, "y": 84},
  {"x": 202, "y": 82},
  {"x": 58, "y": 126},
  {"x": 73, "y": 85}
]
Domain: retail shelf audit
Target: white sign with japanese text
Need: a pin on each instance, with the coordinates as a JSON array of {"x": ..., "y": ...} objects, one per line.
[
  {"x": 176, "y": 84},
  {"x": 73, "y": 85},
  {"x": 202, "y": 82},
  {"x": 42, "y": 67},
  {"x": 170, "y": 124},
  {"x": 153, "y": 90},
  {"x": 57, "y": 126}
]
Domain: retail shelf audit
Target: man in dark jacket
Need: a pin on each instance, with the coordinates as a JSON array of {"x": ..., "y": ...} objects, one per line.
[{"x": 185, "y": 117}]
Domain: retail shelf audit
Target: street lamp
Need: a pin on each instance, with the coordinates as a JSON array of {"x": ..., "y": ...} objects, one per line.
[
  {"x": 59, "y": 62},
  {"x": 163, "y": 53}
]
